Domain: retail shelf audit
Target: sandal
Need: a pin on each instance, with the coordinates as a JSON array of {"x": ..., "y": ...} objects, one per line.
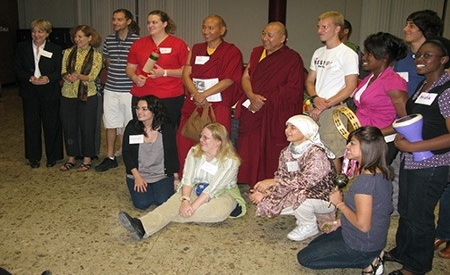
[
  {"x": 67, "y": 166},
  {"x": 84, "y": 167},
  {"x": 377, "y": 269}
]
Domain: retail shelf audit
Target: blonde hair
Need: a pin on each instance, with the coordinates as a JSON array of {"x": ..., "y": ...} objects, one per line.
[
  {"x": 336, "y": 17},
  {"x": 226, "y": 148},
  {"x": 41, "y": 24},
  {"x": 96, "y": 40}
]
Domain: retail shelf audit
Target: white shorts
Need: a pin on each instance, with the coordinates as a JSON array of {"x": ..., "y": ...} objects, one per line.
[{"x": 116, "y": 109}]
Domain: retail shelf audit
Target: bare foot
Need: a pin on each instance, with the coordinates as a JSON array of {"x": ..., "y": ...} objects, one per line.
[{"x": 256, "y": 196}]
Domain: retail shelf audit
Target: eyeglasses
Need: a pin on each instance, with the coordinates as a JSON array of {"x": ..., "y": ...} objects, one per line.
[{"x": 425, "y": 55}]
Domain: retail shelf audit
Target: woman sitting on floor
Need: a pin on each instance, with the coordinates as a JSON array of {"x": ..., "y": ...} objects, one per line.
[
  {"x": 302, "y": 182},
  {"x": 208, "y": 192},
  {"x": 357, "y": 239}
]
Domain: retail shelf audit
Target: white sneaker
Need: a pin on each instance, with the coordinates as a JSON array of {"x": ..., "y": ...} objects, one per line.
[{"x": 303, "y": 232}]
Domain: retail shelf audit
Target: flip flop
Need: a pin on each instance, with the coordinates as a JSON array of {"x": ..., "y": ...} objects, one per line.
[
  {"x": 67, "y": 166},
  {"x": 84, "y": 167}
]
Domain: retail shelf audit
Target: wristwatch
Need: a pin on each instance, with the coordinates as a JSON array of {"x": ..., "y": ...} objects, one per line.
[{"x": 165, "y": 73}]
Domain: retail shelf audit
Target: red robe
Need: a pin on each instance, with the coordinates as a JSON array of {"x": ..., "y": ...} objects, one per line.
[
  {"x": 224, "y": 63},
  {"x": 280, "y": 79}
]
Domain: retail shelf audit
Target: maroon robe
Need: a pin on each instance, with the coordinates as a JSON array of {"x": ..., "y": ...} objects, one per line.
[
  {"x": 280, "y": 79},
  {"x": 224, "y": 63}
]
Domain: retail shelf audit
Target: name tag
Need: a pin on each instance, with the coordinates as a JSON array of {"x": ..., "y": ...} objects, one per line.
[
  {"x": 46, "y": 54},
  {"x": 136, "y": 139},
  {"x": 209, "y": 168},
  {"x": 200, "y": 60},
  {"x": 165, "y": 50},
  {"x": 404, "y": 75},
  {"x": 426, "y": 99},
  {"x": 292, "y": 166}
]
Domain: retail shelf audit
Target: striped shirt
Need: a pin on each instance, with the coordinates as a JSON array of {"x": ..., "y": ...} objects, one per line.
[{"x": 117, "y": 51}]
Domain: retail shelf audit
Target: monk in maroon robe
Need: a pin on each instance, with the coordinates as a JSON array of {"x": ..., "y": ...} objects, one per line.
[
  {"x": 214, "y": 61},
  {"x": 273, "y": 83}
]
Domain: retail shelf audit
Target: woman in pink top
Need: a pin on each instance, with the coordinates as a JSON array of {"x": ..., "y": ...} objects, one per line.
[{"x": 382, "y": 95}]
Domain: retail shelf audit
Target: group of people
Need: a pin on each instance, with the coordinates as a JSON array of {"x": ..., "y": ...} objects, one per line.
[{"x": 289, "y": 160}]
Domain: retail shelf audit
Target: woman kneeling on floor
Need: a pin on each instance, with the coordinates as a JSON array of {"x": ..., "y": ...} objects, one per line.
[
  {"x": 208, "y": 192},
  {"x": 357, "y": 239},
  {"x": 302, "y": 182}
]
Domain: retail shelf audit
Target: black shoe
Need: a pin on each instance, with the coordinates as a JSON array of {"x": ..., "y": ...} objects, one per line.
[
  {"x": 50, "y": 163},
  {"x": 34, "y": 164},
  {"x": 106, "y": 164},
  {"x": 133, "y": 225},
  {"x": 388, "y": 257}
]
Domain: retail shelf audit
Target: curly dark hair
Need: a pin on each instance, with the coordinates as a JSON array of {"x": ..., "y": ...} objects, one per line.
[
  {"x": 385, "y": 45},
  {"x": 373, "y": 150},
  {"x": 160, "y": 116}
]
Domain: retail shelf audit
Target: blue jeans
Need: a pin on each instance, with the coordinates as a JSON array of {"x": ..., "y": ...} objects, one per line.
[
  {"x": 443, "y": 225},
  {"x": 157, "y": 193},
  {"x": 331, "y": 251},
  {"x": 419, "y": 192}
]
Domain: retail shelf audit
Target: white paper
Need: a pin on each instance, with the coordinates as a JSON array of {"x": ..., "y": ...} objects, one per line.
[
  {"x": 246, "y": 104},
  {"x": 46, "y": 53},
  {"x": 426, "y": 98},
  {"x": 209, "y": 168},
  {"x": 165, "y": 50},
  {"x": 204, "y": 84},
  {"x": 201, "y": 60},
  {"x": 292, "y": 166},
  {"x": 136, "y": 139}
]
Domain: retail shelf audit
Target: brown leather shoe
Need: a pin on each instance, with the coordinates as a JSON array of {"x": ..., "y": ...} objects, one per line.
[
  {"x": 437, "y": 243},
  {"x": 445, "y": 253}
]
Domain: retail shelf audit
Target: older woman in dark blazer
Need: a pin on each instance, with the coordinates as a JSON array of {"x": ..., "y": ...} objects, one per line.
[{"x": 38, "y": 70}]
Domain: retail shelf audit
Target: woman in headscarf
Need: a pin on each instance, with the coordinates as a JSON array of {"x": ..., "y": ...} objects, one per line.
[{"x": 302, "y": 182}]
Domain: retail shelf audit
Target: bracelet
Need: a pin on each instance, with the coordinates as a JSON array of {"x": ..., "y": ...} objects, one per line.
[
  {"x": 337, "y": 205},
  {"x": 184, "y": 198}
]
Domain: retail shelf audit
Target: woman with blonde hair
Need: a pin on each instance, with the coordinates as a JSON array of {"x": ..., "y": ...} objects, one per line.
[{"x": 208, "y": 192}]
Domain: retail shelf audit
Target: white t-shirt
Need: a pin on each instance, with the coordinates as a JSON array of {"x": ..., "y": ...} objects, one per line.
[{"x": 331, "y": 67}]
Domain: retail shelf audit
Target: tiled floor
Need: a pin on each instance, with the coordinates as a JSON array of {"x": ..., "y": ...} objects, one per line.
[{"x": 67, "y": 222}]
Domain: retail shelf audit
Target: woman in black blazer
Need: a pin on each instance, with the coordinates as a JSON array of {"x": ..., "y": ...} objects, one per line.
[{"x": 38, "y": 70}]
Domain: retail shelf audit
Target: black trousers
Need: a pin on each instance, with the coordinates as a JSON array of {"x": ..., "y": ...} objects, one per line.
[
  {"x": 79, "y": 119},
  {"x": 173, "y": 107},
  {"x": 42, "y": 113}
]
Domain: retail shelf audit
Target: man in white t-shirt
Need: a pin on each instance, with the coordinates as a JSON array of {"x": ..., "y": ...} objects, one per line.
[{"x": 331, "y": 80}]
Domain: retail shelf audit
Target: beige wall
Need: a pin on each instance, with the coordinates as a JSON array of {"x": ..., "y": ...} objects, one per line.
[{"x": 245, "y": 18}]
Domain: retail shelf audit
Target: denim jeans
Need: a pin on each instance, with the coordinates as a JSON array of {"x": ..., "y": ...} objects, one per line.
[
  {"x": 157, "y": 193},
  {"x": 420, "y": 190},
  {"x": 331, "y": 251},
  {"x": 443, "y": 225}
]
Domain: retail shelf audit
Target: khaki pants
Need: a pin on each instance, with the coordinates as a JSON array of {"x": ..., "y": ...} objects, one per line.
[{"x": 216, "y": 210}]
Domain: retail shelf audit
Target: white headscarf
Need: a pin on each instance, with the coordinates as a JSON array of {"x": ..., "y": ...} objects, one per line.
[{"x": 310, "y": 129}]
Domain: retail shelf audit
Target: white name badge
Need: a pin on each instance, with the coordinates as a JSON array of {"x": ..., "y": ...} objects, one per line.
[
  {"x": 292, "y": 166},
  {"x": 136, "y": 139},
  {"x": 165, "y": 50},
  {"x": 200, "y": 60},
  {"x": 404, "y": 75},
  {"x": 46, "y": 54},
  {"x": 209, "y": 168},
  {"x": 426, "y": 98}
]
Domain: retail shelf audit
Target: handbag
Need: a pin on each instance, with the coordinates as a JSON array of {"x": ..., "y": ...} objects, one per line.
[{"x": 195, "y": 123}]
